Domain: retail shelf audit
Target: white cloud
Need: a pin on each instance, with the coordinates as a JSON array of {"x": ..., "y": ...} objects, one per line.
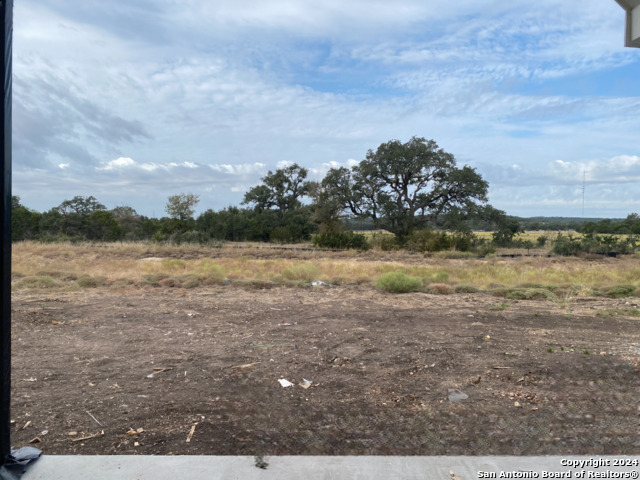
[
  {"x": 212, "y": 95},
  {"x": 117, "y": 164}
]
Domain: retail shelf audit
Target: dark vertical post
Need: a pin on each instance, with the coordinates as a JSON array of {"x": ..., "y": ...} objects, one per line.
[{"x": 6, "y": 12}]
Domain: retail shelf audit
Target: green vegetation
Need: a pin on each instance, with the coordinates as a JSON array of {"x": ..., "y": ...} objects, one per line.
[
  {"x": 399, "y": 282},
  {"x": 412, "y": 193}
]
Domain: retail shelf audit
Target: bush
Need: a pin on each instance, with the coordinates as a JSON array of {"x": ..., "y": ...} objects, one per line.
[
  {"x": 532, "y": 294},
  {"x": 42, "y": 281},
  {"x": 466, "y": 289},
  {"x": 281, "y": 235},
  {"x": 399, "y": 282},
  {"x": 429, "y": 241},
  {"x": 566, "y": 245},
  {"x": 341, "y": 240},
  {"x": 620, "y": 291},
  {"x": 384, "y": 241}
]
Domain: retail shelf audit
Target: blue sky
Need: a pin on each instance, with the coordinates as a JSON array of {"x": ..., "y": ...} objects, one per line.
[{"x": 134, "y": 101}]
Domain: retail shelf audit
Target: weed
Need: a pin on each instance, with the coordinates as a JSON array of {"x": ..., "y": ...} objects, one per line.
[
  {"x": 549, "y": 350},
  {"x": 399, "y": 282},
  {"x": 585, "y": 351},
  {"x": 500, "y": 306}
]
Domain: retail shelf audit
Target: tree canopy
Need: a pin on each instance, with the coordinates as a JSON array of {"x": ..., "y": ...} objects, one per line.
[
  {"x": 403, "y": 186},
  {"x": 182, "y": 206}
]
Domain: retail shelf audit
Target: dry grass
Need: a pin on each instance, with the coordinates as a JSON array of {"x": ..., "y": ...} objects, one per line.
[{"x": 124, "y": 265}]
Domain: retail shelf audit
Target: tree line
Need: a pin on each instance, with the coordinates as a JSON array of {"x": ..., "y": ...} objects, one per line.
[{"x": 406, "y": 189}]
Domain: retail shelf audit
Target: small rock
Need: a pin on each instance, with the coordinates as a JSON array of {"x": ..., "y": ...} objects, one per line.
[{"x": 517, "y": 404}]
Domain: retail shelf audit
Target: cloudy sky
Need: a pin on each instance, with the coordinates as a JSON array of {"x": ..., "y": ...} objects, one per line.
[{"x": 132, "y": 101}]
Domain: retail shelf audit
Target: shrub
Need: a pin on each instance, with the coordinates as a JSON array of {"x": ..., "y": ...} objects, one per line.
[
  {"x": 86, "y": 281},
  {"x": 169, "y": 282},
  {"x": 541, "y": 241},
  {"x": 191, "y": 281},
  {"x": 399, "y": 282},
  {"x": 281, "y": 235},
  {"x": 341, "y": 240},
  {"x": 384, "y": 241},
  {"x": 566, "y": 245},
  {"x": 532, "y": 294},
  {"x": 466, "y": 289},
  {"x": 620, "y": 291}
]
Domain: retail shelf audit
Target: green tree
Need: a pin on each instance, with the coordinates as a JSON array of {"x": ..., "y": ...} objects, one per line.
[
  {"x": 103, "y": 225},
  {"x": 403, "y": 187},
  {"x": 80, "y": 206},
  {"x": 25, "y": 223},
  {"x": 281, "y": 190},
  {"x": 182, "y": 206},
  {"x": 72, "y": 216},
  {"x": 130, "y": 222},
  {"x": 277, "y": 205}
]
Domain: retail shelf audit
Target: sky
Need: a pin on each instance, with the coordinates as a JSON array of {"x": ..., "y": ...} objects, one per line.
[{"x": 133, "y": 101}]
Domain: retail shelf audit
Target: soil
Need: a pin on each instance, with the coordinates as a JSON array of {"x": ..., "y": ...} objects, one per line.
[{"x": 183, "y": 372}]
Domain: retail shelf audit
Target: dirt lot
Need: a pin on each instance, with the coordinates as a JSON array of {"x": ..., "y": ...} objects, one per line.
[{"x": 412, "y": 374}]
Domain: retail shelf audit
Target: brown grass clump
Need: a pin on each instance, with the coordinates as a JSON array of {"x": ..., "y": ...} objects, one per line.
[{"x": 439, "y": 289}]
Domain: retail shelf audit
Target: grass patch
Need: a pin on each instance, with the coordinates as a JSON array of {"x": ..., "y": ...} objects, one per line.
[
  {"x": 154, "y": 279},
  {"x": 256, "y": 284},
  {"x": 306, "y": 272},
  {"x": 532, "y": 294},
  {"x": 466, "y": 289},
  {"x": 41, "y": 281},
  {"x": 399, "y": 282},
  {"x": 121, "y": 283},
  {"x": 87, "y": 281},
  {"x": 500, "y": 307}
]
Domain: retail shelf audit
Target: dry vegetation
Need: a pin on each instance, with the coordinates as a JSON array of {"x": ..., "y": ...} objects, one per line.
[{"x": 141, "y": 265}]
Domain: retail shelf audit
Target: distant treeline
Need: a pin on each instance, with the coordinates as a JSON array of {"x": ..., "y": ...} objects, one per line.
[{"x": 414, "y": 191}]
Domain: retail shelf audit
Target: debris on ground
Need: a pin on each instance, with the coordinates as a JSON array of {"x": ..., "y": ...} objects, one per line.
[{"x": 457, "y": 395}]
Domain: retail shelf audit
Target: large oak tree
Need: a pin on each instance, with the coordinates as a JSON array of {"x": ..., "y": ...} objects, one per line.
[{"x": 402, "y": 187}]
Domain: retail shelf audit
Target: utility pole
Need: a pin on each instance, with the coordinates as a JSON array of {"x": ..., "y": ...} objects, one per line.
[
  {"x": 584, "y": 178},
  {"x": 6, "y": 17}
]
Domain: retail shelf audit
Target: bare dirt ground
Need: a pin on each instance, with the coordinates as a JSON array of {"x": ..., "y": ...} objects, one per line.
[{"x": 172, "y": 371}]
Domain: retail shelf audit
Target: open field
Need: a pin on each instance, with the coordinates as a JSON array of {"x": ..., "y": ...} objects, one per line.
[{"x": 135, "y": 349}]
